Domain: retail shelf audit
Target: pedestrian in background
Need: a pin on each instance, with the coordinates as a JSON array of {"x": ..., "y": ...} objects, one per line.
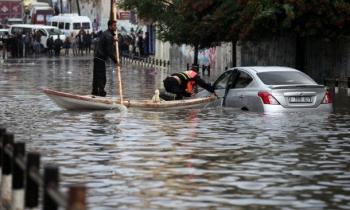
[
  {"x": 74, "y": 41},
  {"x": 58, "y": 45},
  {"x": 66, "y": 46},
  {"x": 28, "y": 42},
  {"x": 49, "y": 44},
  {"x": 87, "y": 42},
  {"x": 81, "y": 41}
]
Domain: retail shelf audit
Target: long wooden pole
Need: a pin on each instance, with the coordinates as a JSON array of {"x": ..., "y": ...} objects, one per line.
[{"x": 117, "y": 54}]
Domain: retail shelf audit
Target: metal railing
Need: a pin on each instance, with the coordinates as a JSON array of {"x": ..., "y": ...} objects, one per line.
[
  {"x": 147, "y": 62},
  {"x": 338, "y": 83},
  {"x": 22, "y": 185}
]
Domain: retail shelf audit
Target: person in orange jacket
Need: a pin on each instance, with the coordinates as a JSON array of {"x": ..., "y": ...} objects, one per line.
[{"x": 183, "y": 83}]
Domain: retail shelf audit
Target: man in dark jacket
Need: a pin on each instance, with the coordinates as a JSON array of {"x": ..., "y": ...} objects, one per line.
[
  {"x": 105, "y": 49},
  {"x": 57, "y": 45},
  {"x": 183, "y": 83}
]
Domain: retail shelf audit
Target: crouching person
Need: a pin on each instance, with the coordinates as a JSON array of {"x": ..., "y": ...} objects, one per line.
[{"x": 183, "y": 84}]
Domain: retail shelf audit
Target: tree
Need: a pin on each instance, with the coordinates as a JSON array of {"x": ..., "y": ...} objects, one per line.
[
  {"x": 181, "y": 21},
  {"x": 205, "y": 23}
]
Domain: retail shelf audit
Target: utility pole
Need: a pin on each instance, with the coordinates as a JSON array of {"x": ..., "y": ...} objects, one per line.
[
  {"x": 111, "y": 14},
  {"x": 78, "y": 7},
  {"x": 70, "y": 6}
]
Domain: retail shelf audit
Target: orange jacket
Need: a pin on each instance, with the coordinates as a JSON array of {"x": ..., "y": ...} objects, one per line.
[{"x": 188, "y": 76}]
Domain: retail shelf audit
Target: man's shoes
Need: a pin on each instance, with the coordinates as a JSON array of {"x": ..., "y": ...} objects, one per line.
[{"x": 100, "y": 94}]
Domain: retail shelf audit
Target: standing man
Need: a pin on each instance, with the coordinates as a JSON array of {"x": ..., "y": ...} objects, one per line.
[{"x": 105, "y": 49}]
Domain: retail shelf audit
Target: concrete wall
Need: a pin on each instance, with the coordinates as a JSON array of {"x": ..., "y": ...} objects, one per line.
[
  {"x": 277, "y": 51},
  {"x": 326, "y": 59},
  {"x": 323, "y": 59},
  {"x": 179, "y": 56}
]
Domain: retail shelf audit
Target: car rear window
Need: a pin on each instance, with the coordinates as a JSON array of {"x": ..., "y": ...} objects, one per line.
[{"x": 284, "y": 78}]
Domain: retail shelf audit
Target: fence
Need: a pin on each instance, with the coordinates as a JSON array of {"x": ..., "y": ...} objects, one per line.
[
  {"x": 147, "y": 62},
  {"x": 21, "y": 184},
  {"x": 338, "y": 83}
]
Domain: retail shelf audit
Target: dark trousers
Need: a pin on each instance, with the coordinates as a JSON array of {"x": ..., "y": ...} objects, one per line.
[
  {"x": 171, "y": 85},
  {"x": 99, "y": 78}
]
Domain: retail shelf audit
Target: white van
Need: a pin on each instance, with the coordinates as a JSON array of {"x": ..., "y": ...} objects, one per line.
[
  {"x": 45, "y": 31},
  {"x": 71, "y": 23}
]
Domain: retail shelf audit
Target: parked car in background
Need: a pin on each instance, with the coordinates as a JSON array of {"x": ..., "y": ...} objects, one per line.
[
  {"x": 40, "y": 13},
  {"x": 45, "y": 32},
  {"x": 71, "y": 23},
  {"x": 271, "y": 89},
  {"x": 11, "y": 21}
]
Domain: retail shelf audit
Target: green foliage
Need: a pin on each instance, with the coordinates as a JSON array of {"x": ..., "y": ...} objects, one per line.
[
  {"x": 306, "y": 18},
  {"x": 206, "y": 22}
]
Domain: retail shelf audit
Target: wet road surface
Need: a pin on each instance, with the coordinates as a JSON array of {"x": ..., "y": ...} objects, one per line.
[{"x": 192, "y": 159}]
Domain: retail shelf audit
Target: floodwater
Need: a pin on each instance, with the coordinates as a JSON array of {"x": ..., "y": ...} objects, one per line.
[{"x": 192, "y": 159}]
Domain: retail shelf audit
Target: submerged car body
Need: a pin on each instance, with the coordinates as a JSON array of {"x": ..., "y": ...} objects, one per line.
[{"x": 271, "y": 89}]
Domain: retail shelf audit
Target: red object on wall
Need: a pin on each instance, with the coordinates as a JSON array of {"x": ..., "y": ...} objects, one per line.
[
  {"x": 125, "y": 15},
  {"x": 10, "y": 9}
]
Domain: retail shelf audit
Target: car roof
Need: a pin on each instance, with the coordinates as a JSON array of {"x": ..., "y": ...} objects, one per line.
[
  {"x": 32, "y": 26},
  {"x": 71, "y": 17},
  {"x": 14, "y": 19},
  {"x": 259, "y": 69}
]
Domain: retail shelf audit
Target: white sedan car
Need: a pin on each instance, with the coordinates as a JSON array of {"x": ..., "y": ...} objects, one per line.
[{"x": 270, "y": 89}]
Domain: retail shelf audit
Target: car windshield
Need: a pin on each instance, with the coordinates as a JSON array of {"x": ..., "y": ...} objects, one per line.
[
  {"x": 12, "y": 22},
  {"x": 54, "y": 31},
  {"x": 284, "y": 78}
]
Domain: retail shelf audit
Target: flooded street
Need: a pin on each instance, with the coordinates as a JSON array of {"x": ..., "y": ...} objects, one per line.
[{"x": 191, "y": 159}]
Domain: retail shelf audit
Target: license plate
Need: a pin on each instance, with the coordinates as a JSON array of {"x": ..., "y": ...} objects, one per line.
[{"x": 300, "y": 99}]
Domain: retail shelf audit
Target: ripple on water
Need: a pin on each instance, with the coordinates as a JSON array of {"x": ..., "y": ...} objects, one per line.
[{"x": 190, "y": 159}]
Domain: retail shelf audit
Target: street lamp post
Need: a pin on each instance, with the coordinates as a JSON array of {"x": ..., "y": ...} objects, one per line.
[{"x": 78, "y": 7}]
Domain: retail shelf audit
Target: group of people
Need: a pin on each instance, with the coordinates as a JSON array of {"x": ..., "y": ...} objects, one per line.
[
  {"x": 134, "y": 44},
  {"x": 80, "y": 43},
  {"x": 23, "y": 44},
  {"x": 181, "y": 84},
  {"x": 29, "y": 44}
]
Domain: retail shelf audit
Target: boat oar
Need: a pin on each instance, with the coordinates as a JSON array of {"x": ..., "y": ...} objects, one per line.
[{"x": 117, "y": 57}]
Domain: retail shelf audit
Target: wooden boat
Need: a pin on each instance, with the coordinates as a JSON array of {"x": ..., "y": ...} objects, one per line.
[{"x": 71, "y": 101}]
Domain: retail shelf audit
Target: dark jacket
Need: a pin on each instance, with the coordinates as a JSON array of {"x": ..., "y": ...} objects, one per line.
[{"x": 105, "y": 46}]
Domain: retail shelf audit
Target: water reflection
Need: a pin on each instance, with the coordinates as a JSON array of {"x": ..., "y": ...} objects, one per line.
[{"x": 210, "y": 159}]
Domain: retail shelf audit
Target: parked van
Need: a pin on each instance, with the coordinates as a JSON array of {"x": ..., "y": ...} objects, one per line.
[
  {"x": 69, "y": 23},
  {"x": 40, "y": 13},
  {"x": 45, "y": 31}
]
